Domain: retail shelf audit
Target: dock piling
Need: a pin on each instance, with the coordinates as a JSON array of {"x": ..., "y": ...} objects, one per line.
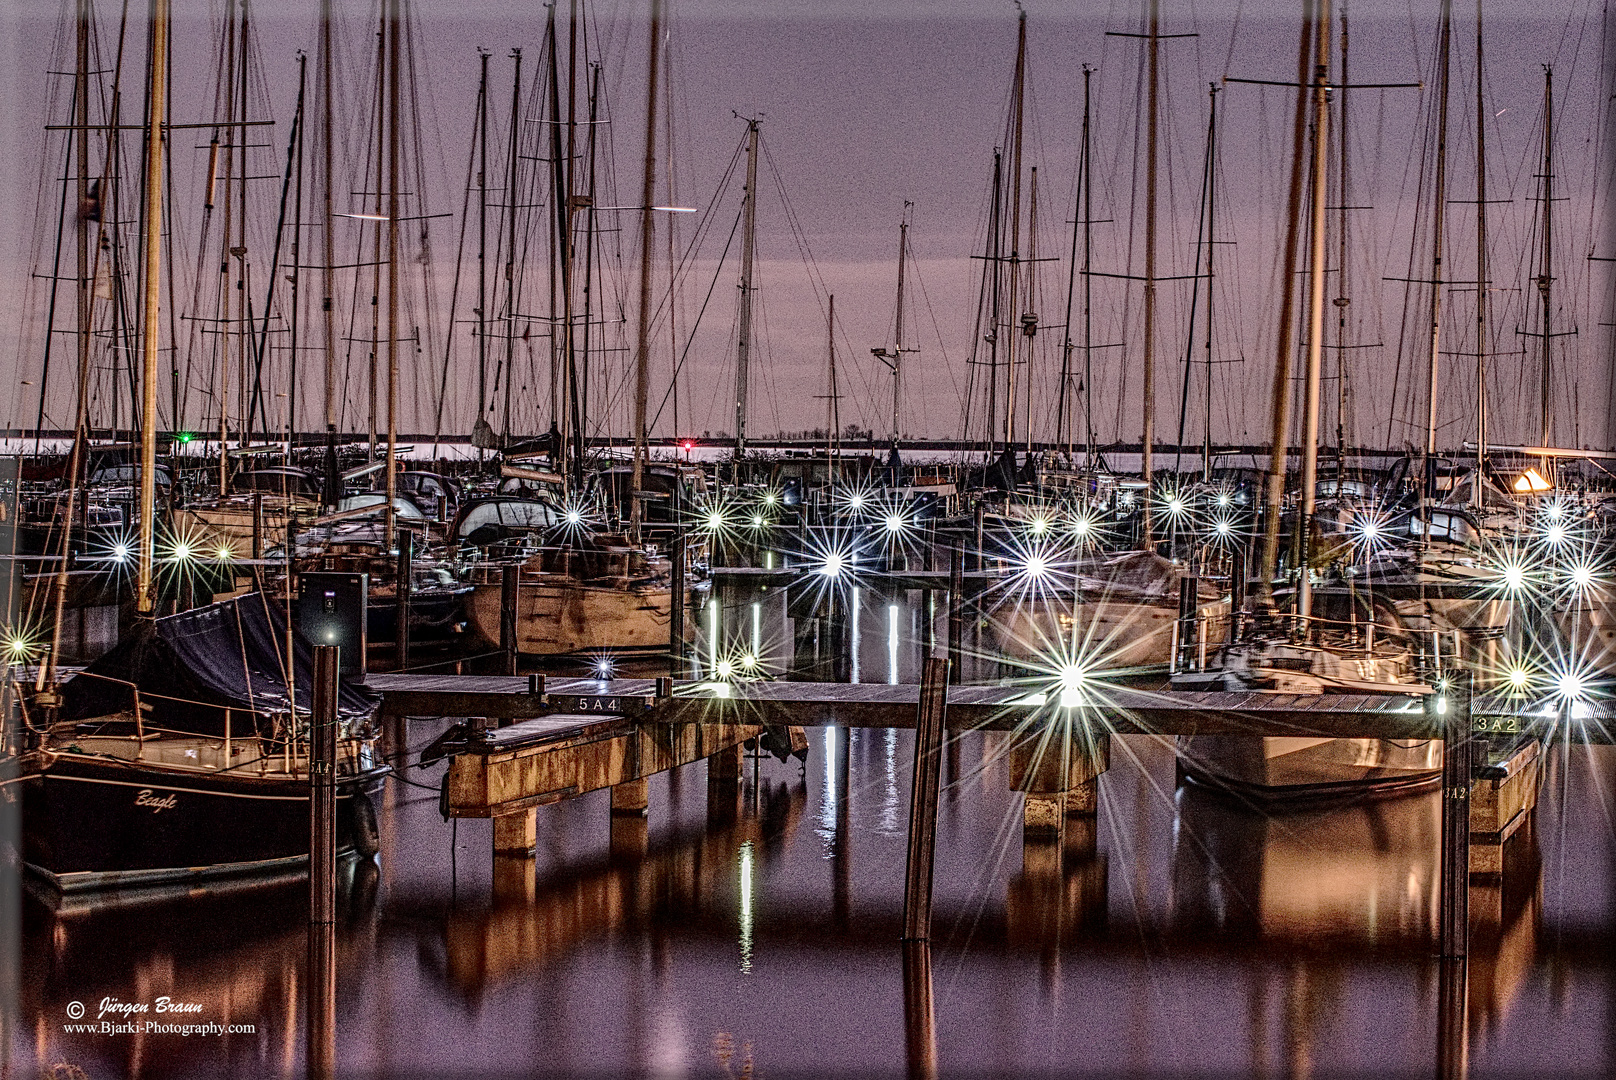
[
  {"x": 508, "y": 581},
  {"x": 919, "y": 1013},
  {"x": 929, "y": 718},
  {"x": 322, "y": 973},
  {"x": 956, "y": 608},
  {"x": 676, "y": 606},
  {"x": 402, "y": 598},
  {"x": 1449, "y": 711}
]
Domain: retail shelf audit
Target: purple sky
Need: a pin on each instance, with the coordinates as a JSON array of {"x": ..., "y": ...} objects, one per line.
[{"x": 862, "y": 112}]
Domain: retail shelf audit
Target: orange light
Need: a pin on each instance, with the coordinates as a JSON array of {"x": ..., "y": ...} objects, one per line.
[{"x": 1531, "y": 481}]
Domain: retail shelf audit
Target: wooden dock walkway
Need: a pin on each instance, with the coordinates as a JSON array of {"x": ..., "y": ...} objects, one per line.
[{"x": 1111, "y": 709}]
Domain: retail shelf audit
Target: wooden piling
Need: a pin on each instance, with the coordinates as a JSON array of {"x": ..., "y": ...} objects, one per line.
[
  {"x": 322, "y": 973},
  {"x": 258, "y": 525},
  {"x": 402, "y": 599},
  {"x": 956, "y": 610},
  {"x": 1449, "y": 713},
  {"x": 508, "y": 581},
  {"x": 676, "y": 606},
  {"x": 929, "y": 721}
]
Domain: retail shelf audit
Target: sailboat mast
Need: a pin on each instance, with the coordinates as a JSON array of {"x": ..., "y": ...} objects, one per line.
[
  {"x": 393, "y": 28},
  {"x": 897, "y": 336},
  {"x": 642, "y": 357},
  {"x": 1063, "y": 404},
  {"x": 1315, "y": 313},
  {"x": 832, "y": 419},
  {"x": 1088, "y": 278},
  {"x": 157, "y": 98},
  {"x": 743, "y": 344},
  {"x": 1274, "y": 497},
  {"x": 1481, "y": 274},
  {"x": 1342, "y": 301},
  {"x": 1545, "y": 278},
  {"x": 482, "y": 237},
  {"x": 1427, "y": 473},
  {"x": 510, "y": 240},
  {"x": 327, "y": 244},
  {"x": 1147, "y": 436},
  {"x": 1211, "y": 280},
  {"x": 1017, "y": 106}
]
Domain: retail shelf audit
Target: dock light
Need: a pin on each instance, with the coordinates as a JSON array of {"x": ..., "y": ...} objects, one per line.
[
  {"x": 1513, "y": 575},
  {"x": 856, "y": 500},
  {"x": 724, "y": 669},
  {"x": 18, "y": 649},
  {"x": 1037, "y": 566},
  {"x": 1175, "y": 506},
  {"x": 1223, "y": 499},
  {"x": 895, "y": 523},
  {"x": 1519, "y": 677},
  {"x": 1223, "y": 528},
  {"x": 757, "y": 521},
  {"x": 1571, "y": 685},
  {"x": 771, "y": 497},
  {"x": 224, "y": 552},
  {"x": 120, "y": 552},
  {"x": 1531, "y": 480},
  {"x": 574, "y": 517},
  {"x": 1555, "y": 535},
  {"x": 603, "y": 668},
  {"x": 714, "y": 520},
  {"x": 1082, "y": 525},
  {"x": 1555, "y": 510},
  {"x": 835, "y": 563},
  {"x": 183, "y": 550},
  {"x": 1040, "y": 526}
]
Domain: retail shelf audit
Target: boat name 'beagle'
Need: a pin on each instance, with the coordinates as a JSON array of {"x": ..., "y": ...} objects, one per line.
[{"x": 157, "y": 803}]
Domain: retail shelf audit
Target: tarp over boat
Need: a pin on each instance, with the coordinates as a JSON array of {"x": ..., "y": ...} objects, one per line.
[{"x": 192, "y": 666}]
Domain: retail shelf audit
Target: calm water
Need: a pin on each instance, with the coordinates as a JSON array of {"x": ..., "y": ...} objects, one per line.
[{"x": 759, "y": 936}]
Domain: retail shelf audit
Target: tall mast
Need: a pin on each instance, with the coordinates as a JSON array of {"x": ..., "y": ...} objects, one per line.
[
  {"x": 1315, "y": 312},
  {"x": 1211, "y": 280},
  {"x": 1017, "y": 107},
  {"x": 642, "y": 357},
  {"x": 1063, "y": 401},
  {"x": 833, "y": 418},
  {"x": 1427, "y": 474},
  {"x": 393, "y": 28},
  {"x": 897, "y": 335},
  {"x": 1342, "y": 301},
  {"x": 1481, "y": 274},
  {"x": 145, "y": 600},
  {"x": 1545, "y": 279},
  {"x": 1088, "y": 278},
  {"x": 327, "y": 244},
  {"x": 482, "y": 238},
  {"x": 743, "y": 345},
  {"x": 893, "y": 357},
  {"x": 510, "y": 240},
  {"x": 1148, "y": 434},
  {"x": 1274, "y": 497}
]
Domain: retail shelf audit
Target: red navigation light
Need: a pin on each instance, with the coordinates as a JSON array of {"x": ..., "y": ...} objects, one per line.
[{"x": 688, "y": 444}]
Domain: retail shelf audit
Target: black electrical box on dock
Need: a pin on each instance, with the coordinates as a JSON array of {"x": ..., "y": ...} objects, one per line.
[{"x": 331, "y": 610}]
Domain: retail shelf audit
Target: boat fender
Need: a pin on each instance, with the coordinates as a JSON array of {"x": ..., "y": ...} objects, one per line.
[{"x": 362, "y": 825}]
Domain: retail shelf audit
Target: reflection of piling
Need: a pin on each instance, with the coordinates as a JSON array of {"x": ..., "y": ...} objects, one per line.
[
  {"x": 676, "y": 606},
  {"x": 401, "y": 604},
  {"x": 1452, "y": 1024},
  {"x": 841, "y": 854},
  {"x": 919, "y": 1015},
  {"x": 1449, "y": 713},
  {"x": 508, "y": 581},
  {"x": 923, "y": 799},
  {"x": 322, "y": 975}
]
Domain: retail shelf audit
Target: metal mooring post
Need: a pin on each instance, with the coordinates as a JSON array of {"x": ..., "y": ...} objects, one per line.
[
  {"x": 322, "y": 975},
  {"x": 401, "y": 603},
  {"x": 507, "y": 615},
  {"x": 923, "y": 799}
]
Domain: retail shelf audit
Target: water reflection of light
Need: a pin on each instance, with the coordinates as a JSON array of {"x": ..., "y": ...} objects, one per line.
[
  {"x": 892, "y": 644},
  {"x": 712, "y": 633},
  {"x": 757, "y": 630},
  {"x": 746, "y": 907},
  {"x": 827, "y": 803}
]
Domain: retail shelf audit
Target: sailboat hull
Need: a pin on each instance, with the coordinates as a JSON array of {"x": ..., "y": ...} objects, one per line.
[
  {"x": 555, "y": 618},
  {"x": 95, "y": 822},
  {"x": 1305, "y": 769}
]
